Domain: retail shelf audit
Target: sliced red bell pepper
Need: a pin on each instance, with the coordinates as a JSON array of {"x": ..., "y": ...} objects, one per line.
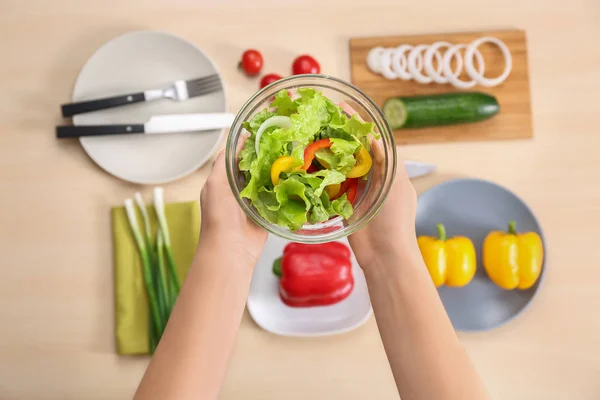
[
  {"x": 312, "y": 169},
  {"x": 315, "y": 275},
  {"x": 350, "y": 187},
  {"x": 311, "y": 150}
]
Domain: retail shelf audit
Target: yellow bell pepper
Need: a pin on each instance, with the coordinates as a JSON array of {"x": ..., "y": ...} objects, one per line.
[
  {"x": 363, "y": 164},
  {"x": 282, "y": 164},
  {"x": 449, "y": 261},
  {"x": 513, "y": 260},
  {"x": 333, "y": 190}
]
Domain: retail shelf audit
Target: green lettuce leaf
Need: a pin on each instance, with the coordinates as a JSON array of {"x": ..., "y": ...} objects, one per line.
[
  {"x": 247, "y": 155},
  {"x": 341, "y": 206},
  {"x": 341, "y": 146},
  {"x": 271, "y": 148},
  {"x": 283, "y": 104},
  {"x": 358, "y": 129},
  {"x": 318, "y": 212},
  {"x": 319, "y": 180},
  {"x": 340, "y": 156},
  {"x": 257, "y": 120}
]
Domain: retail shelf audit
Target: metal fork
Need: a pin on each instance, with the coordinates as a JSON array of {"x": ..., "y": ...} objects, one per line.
[{"x": 179, "y": 91}]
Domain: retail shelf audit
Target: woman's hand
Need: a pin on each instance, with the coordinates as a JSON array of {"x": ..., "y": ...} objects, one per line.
[
  {"x": 192, "y": 356},
  {"x": 223, "y": 221},
  {"x": 392, "y": 232}
]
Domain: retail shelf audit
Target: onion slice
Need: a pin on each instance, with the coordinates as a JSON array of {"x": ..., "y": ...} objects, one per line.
[
  {"x": 453, "y": 75},
  {"x": 432, "y": 50},
  {"x": 374, "y": 59},
  {"x": 385, "y": 64},
  {"x": 399, "y": 61},
  {"x": 478, "y": 76},
  {"x": 414, "y": 68},
  {"x": 278, "y": 120}
]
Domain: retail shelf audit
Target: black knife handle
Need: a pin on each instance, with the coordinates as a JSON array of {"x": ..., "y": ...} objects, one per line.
[
  {"x": 69, "y": 131},
  {"x": 68, "y": 110}
]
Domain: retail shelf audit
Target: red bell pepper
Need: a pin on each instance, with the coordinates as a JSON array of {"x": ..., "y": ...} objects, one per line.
[
  {"x": 311, "y": 150},
  {"x": 311, "y": 169},
  {"x": 315, "y": 274},
  {"x": 350, "y": 187}
]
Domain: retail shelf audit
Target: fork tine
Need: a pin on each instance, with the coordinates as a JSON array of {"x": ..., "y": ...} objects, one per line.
[
  {"x": 203, "y": 80},
  {"x": 195, "y": 88},
  {"x": 205, "y": 87},
  {"x": 205, "y": 91}
]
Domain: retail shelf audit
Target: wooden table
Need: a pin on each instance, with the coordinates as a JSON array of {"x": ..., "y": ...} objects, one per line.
[{"x": 56, "y": 297}]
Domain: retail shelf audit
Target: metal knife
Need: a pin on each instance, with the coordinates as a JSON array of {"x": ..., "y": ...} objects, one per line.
[
  {"x": 158, "y": 124},
  {"x": 178, "y": 90},
  {"x": 416, "y": 168}
]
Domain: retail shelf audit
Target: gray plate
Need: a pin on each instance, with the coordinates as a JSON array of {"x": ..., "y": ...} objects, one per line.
[{"x": 473, "y": 208}]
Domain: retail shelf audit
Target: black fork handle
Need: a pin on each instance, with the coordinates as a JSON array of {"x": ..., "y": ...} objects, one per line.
[{"x": 70, "y": 109}]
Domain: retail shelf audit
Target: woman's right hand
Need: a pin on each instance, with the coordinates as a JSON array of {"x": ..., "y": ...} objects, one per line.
[{"x": 392, "y": 232}]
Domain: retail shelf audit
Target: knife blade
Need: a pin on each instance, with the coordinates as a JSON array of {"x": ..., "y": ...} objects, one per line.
[
  {"x": 416, "y": 168},
  {"x": 158, "y": 124}
]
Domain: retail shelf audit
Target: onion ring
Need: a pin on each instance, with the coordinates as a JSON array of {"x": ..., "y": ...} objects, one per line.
[
  {"x": 453, "y": 75},
  {"x": 399, "y": 61},
  {"x": 413, "y": 68},
  {"x": 385, "y": 64},
  {"x": 418, "y": 64},
  {"x": 428, "y": 62},
  {"x": 373, "y": 59},
  {"x": 478, "y": 76}
]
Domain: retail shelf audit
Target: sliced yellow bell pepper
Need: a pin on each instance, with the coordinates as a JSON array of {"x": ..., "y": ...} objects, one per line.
[
  {"x": 513, "y": 260},
  {"x": 333, "y": 190},
  {"x": 449, "y": 261},
  {"x": 363, "y": 164},
  {"x": 282, "y": 164}
]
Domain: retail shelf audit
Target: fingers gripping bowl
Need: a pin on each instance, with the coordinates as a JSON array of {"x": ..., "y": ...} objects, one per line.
[{"x": 296, "y": 165}]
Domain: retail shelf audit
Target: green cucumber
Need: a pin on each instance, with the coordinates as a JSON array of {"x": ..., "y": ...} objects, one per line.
[{"x": 439, "y": 109}]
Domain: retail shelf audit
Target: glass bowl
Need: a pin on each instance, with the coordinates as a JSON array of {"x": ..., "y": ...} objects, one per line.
[{"x": 372, "y": 192}]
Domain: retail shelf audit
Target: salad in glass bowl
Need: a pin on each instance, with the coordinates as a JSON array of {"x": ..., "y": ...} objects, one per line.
[
  {"x": 303, "y": 159},
  {"x": 300, "y": 163}
]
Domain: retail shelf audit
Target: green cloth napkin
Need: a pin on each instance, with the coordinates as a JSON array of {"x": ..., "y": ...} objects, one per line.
[{"x": 131, "y": 304}]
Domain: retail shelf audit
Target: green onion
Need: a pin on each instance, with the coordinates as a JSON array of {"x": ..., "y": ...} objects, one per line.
[
  {"x": 163, "y": 275},
  {"x": 160, "y": 279},
  {"x": 155, "y": 314},
  {"x": 159, "y": 206},
  {"x": 142, "y": 206}
]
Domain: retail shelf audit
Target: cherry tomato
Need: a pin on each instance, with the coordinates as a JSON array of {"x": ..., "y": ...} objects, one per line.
[
  {"x": 268, "y": 79},
  {"x": 252, "y": 62},
  {"x": 305, "y": 64}
]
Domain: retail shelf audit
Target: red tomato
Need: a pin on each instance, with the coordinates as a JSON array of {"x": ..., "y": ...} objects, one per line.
[
  {"x": 252, "y": 62},
  {"x": 305, "y": 64},
  {"x": 268, "y": 79}
]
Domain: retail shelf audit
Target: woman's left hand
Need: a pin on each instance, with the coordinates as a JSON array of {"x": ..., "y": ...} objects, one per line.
[{"x": 223, "y": 221}]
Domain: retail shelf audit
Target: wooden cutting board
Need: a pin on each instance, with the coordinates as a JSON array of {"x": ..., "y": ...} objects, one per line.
[{"x": 512, "y": 122}]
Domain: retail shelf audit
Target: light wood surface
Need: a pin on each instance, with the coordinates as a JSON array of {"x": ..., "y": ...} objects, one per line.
[
  {"x": 56, "y": 296},
  {"x": 514, "y": 119}
]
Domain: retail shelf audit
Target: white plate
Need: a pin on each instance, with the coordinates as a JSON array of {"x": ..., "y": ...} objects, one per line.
[
  {"x": 271, "y": 314},
  {"x": 136, "y": 62}
]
